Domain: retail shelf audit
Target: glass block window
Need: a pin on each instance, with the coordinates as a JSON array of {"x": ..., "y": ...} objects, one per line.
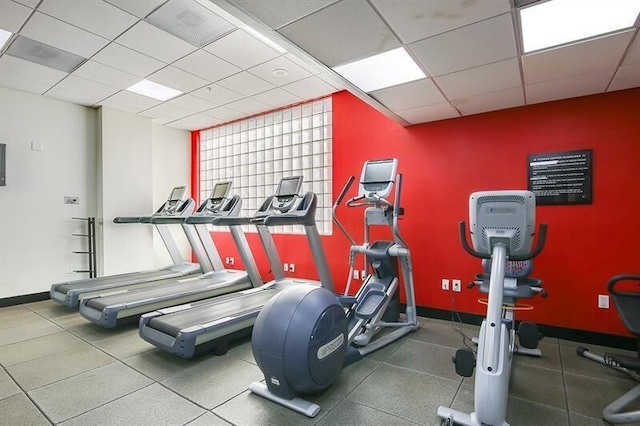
[{"x": 257, "y": 152}]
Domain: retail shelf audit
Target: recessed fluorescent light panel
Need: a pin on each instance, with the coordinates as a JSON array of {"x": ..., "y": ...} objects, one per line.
[
  {"x": 556, "y": 22},
  {"x": 43, "y": 54},
  {"x": 383, "y": 70},
  {"x": 190, "y": 22},
  {"x": 154, "y": 90},
  {"x": 4, "y": 37},
  {"x": 272, "y": 44}
]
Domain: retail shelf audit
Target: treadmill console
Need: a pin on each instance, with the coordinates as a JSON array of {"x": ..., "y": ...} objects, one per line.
[
  {"x": 175, "y": 200},
  {"x": 216, "y": 200},
  {"x": 287, "y": 193},
  {"x": 377, "y": 178}
]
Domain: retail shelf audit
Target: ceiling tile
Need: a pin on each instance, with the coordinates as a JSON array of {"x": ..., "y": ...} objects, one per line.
[
  {"x": 217, "y": 94},
  {"x": 342, "y": 33},
  {"x": 427, "y": 113},
  {"x": 416, "y": 20},
  {"x": 253, "y": 51},
  {"x": 165, "y": 112},
  {"x": 96, "y": 71},
  {"x": 10, "y": 65},
  {"x": 224, "y": 114},
  {"x": 127, "y": 60},
  {"x": 190, "y": 21},
  {"x": 502, "y": 99},
  {"x": 206, "y": 65},
  {"x": 277, "y": 13},
  {"x": 195, "y": 122},
  {"x": 139, "y": 8},
  {"x": 627, "y": 77},
  {"x": 177, "y": 79},
  {"x": 409, "y": 95},
  {"x": 31, "y": 3},
  {"x": 95, "y": 16},
  {"x": 87, "y": 87},
  {"x": 569, "y": 87},
  {"x": 129, "y": 101},
  {"x": 480, "y": 80},
  {"x": 245, "y": 83},
  {"x": 27, "y": 76},
  {"x": 633, "y": 54},
  {"x": 482, "y": 43},
  {"x": 309, "y": 88},
  {"x": 579, "y": 58},
  {"x": 147, "y": 39},
  {"x": 54, "y": 32},
  {"x": 72, "y": 96},
  {"x": 270, "y": 71},
  {"x": 276, "y": 98},
  {"x": 13, "y": 15},
  {"x": 248, "y": 106},
  {"x": 192, "y": 103}
]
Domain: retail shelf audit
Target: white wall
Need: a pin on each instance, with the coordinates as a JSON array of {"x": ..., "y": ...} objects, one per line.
[
  {"x": 171, "y": 165},
  {"x": 35, "y": 226},
  {"x": 125, "y": 188}
]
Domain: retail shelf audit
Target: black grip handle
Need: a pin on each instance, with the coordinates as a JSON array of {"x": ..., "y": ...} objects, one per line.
[
  {"x": 284, "y": 219},
  {"x": 230, "y": 221},
  {"x": 344, "y": 191},
  {"x": 127, "y": 219},
  {"x": 623, "y": 277},
  {"x": 164, "y": 220},
  {"x": 542, "y": 238},
  {"x": 195, "y": 220}
]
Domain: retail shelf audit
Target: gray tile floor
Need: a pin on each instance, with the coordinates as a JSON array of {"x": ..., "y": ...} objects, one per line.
[{"x": 58, "y": 368}]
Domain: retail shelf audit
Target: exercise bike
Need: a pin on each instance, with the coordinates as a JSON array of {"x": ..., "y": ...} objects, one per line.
[
  {"x": 305, "y": 335},
  {"x": 627, "y": 301},
  {"x": 502, "y": 230}
]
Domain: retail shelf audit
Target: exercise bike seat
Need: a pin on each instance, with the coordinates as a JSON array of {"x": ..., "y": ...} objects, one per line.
[{"x": 519, "y": 292}]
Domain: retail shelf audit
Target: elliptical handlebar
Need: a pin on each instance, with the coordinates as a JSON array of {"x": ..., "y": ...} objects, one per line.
[
  {"x": 624, "y": 277},
  {"x": 335, "y": 207},
  {"x": 542, "y": 238}
]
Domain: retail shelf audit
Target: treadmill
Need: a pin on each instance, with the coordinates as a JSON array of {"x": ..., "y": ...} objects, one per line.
[
  {"x": 211, "y": 324},
  {"x": 108, "y": 310},
  {"x": 69, "y": 293}
]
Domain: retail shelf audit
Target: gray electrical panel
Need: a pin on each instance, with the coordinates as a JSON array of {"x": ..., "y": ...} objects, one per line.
[{"x": 3, "y": 164}]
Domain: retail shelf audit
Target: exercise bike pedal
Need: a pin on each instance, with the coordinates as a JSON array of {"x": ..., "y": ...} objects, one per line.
[
  {"x": 528, "y": 335},
  {"x": 465, "y": 362}
]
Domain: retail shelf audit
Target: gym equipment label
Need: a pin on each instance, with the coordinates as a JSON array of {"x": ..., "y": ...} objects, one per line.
[
  {"x": 329, "y": 348},
  {"x": 561, "y": 177}
]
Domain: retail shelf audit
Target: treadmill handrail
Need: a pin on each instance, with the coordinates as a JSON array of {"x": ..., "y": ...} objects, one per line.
[{"x": 220, "y": 221}]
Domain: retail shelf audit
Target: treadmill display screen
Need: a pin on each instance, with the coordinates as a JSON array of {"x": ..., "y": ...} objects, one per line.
[
  {"x": 378, "y": 172},
  {"x": 220, "y": 190},
  {"x": 177, "y": 193},
  {"x": 289, "y": 186}
]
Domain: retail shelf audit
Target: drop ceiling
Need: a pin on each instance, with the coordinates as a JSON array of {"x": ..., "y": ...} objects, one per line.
[{"x": 469, "y": 50}]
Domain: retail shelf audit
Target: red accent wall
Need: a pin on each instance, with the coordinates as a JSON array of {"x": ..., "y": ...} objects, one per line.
[{"x": 443, "y": 162}]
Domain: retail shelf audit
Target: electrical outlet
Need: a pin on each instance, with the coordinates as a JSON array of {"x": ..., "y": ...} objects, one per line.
[
  {"x": 356, "y": 274},
  {"x": 286, "y": 267},
  {"x": 445, "y": 284},
  {"x": 226, "y": 260},
  {"x": 69, "y": 269},
  {"x": 363, "y": 274},
  {"x": 69, "y": 199},
  {"x": 231, "y": 261},
  {"x": 292, "y": 267},
  {"x": 457, "y": 285},
  {"x": 603, "y": 301}
]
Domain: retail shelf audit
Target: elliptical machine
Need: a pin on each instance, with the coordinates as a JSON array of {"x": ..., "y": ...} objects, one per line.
[
  {"x": 305, "y": 335},
  {"x": 502, "y": 229}
]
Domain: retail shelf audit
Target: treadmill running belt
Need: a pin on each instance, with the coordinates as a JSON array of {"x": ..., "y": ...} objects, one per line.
[
  {"x": 137, "y": 276},
  {"x": 172, "y": 324}
]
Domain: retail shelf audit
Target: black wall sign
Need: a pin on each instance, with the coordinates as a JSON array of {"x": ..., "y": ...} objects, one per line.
[{"x": 561, "y": 177}]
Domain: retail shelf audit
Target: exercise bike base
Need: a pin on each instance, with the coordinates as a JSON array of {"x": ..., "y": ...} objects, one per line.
[
  {"x": 300, "y": 405},
  {"x": 459, "y": 418}
]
